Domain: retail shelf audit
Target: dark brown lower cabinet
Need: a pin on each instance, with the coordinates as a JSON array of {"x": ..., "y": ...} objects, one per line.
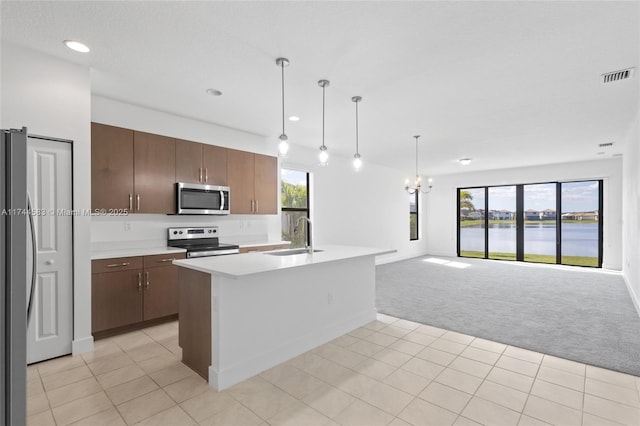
[
  {"x": 161, "y": 293},
  {"x": 132, "y": 292},
  {"x": 115, "y": 299}
]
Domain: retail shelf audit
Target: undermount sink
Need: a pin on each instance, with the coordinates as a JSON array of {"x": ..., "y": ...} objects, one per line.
[{"x": 290, "y": 252}]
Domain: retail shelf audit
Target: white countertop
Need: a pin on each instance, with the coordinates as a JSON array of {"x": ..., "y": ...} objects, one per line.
[
  {"x": 255, "y": 263},
  {"x": 113, "y": 251},
  {"x": 127, "y": 252}
]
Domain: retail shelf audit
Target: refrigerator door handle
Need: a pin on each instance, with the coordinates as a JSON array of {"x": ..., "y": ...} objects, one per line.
[{"x": 34, "y": 258}]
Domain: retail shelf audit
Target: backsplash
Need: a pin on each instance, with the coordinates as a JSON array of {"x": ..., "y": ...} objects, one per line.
[{"x": 150, "y": 230}]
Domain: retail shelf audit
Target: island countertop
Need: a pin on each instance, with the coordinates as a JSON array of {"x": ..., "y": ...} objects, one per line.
[{"x": 255, "y": 263}]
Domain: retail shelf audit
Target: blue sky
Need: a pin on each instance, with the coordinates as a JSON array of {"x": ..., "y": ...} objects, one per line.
[
  {"x": 576, "y": 197},
  {"x": 293, "y": 176}
]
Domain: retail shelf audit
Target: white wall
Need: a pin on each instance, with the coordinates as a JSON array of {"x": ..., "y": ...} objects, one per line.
[
  {"x": 140, "y": 230},
  {"x": 630, "y": 208},
  {"x": 441, "y": 210},
  {"x": 52, "y": 98}
]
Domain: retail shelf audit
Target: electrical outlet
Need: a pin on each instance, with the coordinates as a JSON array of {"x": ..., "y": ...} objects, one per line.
[
  {"x": 127, "y": 226},
  {"x": 329, "y": 298}
]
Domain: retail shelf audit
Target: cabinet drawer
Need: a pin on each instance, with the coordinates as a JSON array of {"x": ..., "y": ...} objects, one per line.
[
  {"x": 116, "y": 264},
  {"x": 158, "y": 260}
]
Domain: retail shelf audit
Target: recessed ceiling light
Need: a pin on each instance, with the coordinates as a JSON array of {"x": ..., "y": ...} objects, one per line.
[
  {"x": 214, "y": 92},
  {"x": 77, "y": 46},
  {"x": 294, "y": 118},
  {"x": 465, "y": 161},
  {"x": 600, "y": 153}
]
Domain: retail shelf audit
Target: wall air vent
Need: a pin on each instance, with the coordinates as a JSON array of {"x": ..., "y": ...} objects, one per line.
[
  {"x": 606, "y": 144},
  {"x": 617, "y": 75}
]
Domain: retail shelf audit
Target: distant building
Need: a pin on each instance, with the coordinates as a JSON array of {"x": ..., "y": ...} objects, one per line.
[
  {"x": 501, "y": 215},
  {"x": 533, "y": 214},
  {"x": 467, "y": 214},
  {"x": 595, "y": 215}
]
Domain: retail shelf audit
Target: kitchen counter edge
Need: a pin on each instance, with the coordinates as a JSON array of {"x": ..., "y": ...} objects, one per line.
[
  {"x": 262, "y": 262},
  {"x": 128, "y": 252}
]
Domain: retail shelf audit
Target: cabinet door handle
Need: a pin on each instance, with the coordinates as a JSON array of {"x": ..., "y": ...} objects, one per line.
[
  {"x": 206, "y": 174},
  {"x": 116, "y": 265},
  {"x": 146, "y": 280},
  {"x": 252, "y": 210},
  {"x": 130, "y": 202},
  {"x": 199, "y": 174},
  {"x": 257, "y": 207},
  {"x": 167, "y": 260},
  {"x": 139, "y": 282},
  {"x": 138, "y": 202}
]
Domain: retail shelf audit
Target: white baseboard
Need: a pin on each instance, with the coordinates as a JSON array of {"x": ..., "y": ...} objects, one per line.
[
  {"x": 634, "y": 297},
  {"x": 258, "y": 363},
  {"x": 79, "y": 346}
]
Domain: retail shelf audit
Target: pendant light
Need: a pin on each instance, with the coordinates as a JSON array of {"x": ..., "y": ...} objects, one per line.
[
  {"x": 323, "y": 155},
  {"x": 418, "y": 184},
  {"x": 357, "y": 161},
  {"x": 283, "y": 146}
]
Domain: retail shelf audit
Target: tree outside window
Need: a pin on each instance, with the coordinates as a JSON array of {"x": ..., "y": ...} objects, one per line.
[{"x": 295, "y": 204}]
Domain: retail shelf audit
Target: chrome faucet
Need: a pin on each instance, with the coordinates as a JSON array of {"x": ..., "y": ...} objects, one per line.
[{"x": 310, "y": 246}]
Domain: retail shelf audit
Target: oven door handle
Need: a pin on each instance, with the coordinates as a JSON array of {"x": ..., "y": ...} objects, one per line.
[{"x": 209, "y": 253}]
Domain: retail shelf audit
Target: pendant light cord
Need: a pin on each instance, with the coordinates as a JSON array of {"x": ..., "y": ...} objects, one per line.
[
  {"x": 357, "y": 151},
  {"x": 282, "y": 66},
  {"x": 323, "y": 87},
  {"x": 417, "y": 159}
]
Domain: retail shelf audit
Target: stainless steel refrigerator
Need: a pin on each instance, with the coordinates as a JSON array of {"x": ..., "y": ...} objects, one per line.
[{"x": 13, "y": 269}]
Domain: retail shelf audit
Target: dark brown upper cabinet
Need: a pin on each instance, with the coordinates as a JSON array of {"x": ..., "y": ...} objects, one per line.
[
  {"x": 253, "y": 179},
  {"x": 131, "y": 170},
  {"x": 200, "y": 163}
]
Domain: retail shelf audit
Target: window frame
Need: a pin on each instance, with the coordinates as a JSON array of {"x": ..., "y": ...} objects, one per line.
[
  {"x": 520, "y": 219},
  {"x": 306, "y": 209},
  {"x": 416, "y": 214}
]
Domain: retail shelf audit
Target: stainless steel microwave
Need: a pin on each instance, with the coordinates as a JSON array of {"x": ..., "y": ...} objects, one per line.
[{"x": 196, "y": 198}]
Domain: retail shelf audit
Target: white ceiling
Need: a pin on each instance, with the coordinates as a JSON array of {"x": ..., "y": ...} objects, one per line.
[{"x": 505, "y": 83}]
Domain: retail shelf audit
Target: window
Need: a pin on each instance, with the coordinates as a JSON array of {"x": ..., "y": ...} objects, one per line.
[
  {"x": 295, "y": 205},
  {"x": 522, "y": 222},
  {"x": 413, "y": 216}
]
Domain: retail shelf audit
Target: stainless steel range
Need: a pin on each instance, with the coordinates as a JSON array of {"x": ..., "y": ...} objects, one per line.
[{"x": 200, "y": 242}]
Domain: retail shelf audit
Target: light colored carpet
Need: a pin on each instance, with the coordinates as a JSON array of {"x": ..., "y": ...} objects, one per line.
[{"x": 580, "y": 314}]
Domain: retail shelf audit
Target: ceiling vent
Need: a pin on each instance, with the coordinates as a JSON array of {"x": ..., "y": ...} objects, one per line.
[
  {"x": 606, "y": 144},
  {"x": 610, "y": 77}
]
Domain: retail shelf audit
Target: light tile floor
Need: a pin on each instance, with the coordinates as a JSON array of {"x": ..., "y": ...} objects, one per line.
[{"x": 390, "y": 372}]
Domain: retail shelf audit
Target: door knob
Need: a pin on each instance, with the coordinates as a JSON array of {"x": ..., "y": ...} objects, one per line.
[{"x": 50, "y": 262}]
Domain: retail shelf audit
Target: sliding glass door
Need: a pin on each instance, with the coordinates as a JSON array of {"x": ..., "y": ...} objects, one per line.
[
  {"x": 471, "y": 222},
  {"x": 581, "y": 231},
  {"x": 555, "y": 222},
  {"x": 540, "y": 223},
  {"x": 502, "y": 222}
]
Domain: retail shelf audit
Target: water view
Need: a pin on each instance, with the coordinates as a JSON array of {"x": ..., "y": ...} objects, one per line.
[
  {"x": 495, "y": 208},
  {"x": 578, "y": 239}
]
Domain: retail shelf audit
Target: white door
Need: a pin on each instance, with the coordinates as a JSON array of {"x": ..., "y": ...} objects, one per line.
[{"x": 50, "y": 329}]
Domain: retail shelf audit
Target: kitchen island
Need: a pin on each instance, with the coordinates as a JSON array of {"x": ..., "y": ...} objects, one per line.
[{"x": 243, "y": 314}]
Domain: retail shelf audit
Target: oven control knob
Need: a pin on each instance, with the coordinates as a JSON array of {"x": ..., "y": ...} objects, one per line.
[
  {"x": 209, "y": 230},
  {"x": 175, "y": 232},
  {"x": 180, "y": 232}
]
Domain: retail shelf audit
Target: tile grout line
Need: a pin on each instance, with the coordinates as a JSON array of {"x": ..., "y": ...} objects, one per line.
[
  {"x": 479, "y": 386},
  {"x": 352, "y": 368}
]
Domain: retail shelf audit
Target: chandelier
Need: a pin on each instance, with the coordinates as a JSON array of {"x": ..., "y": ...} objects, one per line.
[{"x": 417, "y": 187}]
